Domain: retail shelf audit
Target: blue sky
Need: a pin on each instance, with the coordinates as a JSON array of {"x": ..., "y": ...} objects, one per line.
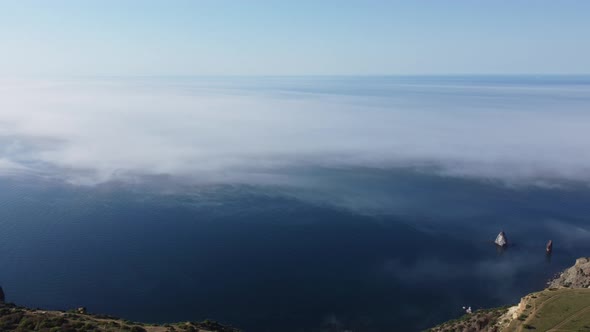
[{"x": 302, "y": 37}]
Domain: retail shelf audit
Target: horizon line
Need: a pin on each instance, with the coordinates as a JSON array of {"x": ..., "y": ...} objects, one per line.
[{"x": 298, "y": 75}]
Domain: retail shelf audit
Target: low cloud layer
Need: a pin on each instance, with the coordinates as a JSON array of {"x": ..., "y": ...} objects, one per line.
[{"x": 244, "y": 130}]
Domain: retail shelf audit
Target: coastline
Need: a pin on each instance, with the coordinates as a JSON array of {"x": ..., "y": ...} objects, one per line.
[
  {"x": 569, "y": 292},
  {"x": 15, "y": 318}
]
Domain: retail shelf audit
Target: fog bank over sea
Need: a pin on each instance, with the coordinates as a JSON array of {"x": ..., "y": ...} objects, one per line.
[{"x": 520, "y": 129}]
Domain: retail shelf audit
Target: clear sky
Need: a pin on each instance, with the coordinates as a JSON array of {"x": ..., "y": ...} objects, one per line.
[{"x": 303, "y": 37}]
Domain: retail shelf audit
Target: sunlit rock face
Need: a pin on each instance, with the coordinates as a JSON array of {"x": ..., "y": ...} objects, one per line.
[
  {"x": 501, "y": 240},
  {"x": 577, "y": 276}
]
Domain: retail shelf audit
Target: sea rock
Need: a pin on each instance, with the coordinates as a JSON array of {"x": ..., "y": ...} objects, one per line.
[
  {"x": 549, "y": 247},
  {"x": 577, "y": 276},
  {"x": 81, "y": 310},
  {"x": 501, "y": 240},
  {"x": 1, "y": 295}
]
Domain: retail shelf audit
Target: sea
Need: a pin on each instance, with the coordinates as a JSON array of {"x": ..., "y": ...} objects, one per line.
[{"x": 332, "y": 204}]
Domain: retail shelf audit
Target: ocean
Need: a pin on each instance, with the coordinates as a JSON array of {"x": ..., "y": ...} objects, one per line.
[{"x": 291, "y": 203}]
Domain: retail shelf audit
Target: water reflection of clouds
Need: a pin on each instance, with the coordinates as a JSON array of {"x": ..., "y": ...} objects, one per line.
[
  {"x": 424, "y": 269},
  {"x": 568, "y": 234},
  {"x": 500, "y": 273}
]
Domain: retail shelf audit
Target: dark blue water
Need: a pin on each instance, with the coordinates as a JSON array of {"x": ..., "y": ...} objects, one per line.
[{"x": 270, "y": 258}]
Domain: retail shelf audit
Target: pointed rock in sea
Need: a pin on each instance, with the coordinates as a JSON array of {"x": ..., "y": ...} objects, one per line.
[{"x": 501, "y": 239}]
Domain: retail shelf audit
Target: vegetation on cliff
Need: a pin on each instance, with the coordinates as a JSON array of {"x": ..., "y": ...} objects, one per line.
[
  {"x": 553, "y": 309},
  {"x": 488, "y": 320},
  {"x": 563, "y": 306},
  {"x": 14, "y": 318}
]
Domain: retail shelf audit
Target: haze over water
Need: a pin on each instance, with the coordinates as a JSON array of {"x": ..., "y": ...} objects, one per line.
[{"x": 290, "y": 203}]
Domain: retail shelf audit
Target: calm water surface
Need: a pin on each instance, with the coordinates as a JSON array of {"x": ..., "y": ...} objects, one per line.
[{"x": 269, "y": 258}]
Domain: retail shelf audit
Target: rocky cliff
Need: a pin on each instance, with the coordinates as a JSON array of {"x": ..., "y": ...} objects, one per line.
[
  {"x": 577, "y": 276},
  {"x": 19, "y": 319},
  {"x": 565, "y": 304}
]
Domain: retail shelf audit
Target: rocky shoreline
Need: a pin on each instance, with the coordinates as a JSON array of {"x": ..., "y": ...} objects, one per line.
[
  {"x": 15, "y": 318},
  {"x": 573, "y": 283},
  {"x": 577, "y": 276}
]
